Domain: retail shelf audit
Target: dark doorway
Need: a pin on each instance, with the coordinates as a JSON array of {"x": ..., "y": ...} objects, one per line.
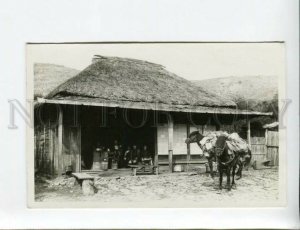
[{"x": 127, "y": 130}]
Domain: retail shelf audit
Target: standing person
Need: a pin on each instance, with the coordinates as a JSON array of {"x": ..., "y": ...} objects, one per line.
[
  {"x": 116, "y": 153},
  {"x": 116, "y": 145},
  {"x": 121, "y": 157},
  {"x": 115, "y": 149},
  {"x": 110, "y": 157}
]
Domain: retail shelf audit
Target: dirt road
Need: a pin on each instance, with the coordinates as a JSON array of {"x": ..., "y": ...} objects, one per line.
[{"x": 256, "y": 187}]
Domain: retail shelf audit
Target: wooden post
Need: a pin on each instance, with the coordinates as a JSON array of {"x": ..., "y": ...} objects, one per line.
[
  {"x": 249, "y": 133},
  {"x": 188, "y": 157},
  {"x": 60, "y": 142},
  {"x": 134, "y": 171},
  {"x": 170, "y": 142},
  {"x": 79, "y": 148},
  {"x": 43, "y": 163},
  {"x": 266, "y": 143},
  {"x": 35, "y": 147},
  {"x": 51, "y": 152},
  {"x": 156, "y": 150}
]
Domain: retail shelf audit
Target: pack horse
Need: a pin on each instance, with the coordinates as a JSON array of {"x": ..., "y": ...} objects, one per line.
[{"x": 229, "y": 151}]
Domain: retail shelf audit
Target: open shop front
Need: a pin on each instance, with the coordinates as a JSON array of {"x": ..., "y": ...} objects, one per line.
[{"x": 114, "y": 138}]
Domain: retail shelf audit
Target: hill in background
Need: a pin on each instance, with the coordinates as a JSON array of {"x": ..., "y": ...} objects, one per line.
[
  {"x": 48, "y": 76},
  {"x": 260, "y": 92},
  {"x": 257, "y": 93}
]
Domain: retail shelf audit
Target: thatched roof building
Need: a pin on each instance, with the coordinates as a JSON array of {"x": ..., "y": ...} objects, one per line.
[
  {"x": 130, "y": 83},
  {"x": 111, "y": 96},
  {"x": 48, "y": 76}
]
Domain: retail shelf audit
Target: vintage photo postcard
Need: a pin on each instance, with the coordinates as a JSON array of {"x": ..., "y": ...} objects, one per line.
[{"x": 156, "y": 125}]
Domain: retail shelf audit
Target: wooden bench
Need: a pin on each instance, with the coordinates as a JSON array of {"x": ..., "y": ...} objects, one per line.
[
  {"x": 183, "y": 162},
  {"x": 82, "y": 176},
  {"x": 86, "y": 181},
  {"x": 141, "y": 169}
]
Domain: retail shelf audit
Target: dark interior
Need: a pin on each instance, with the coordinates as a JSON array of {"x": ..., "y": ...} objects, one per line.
[{"x": 130, "y": 129}]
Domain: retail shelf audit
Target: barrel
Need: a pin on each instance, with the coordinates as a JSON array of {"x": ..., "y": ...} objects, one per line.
[
  {"x": 104, "y": 165},
  {"x": 178, "y": 168},
  {"x": 114, "y": 165},
  {"x": 96, "y": 166}
]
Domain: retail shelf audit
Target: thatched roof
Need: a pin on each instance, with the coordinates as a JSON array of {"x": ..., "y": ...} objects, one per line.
[
  {"x": 48, "y": 76},
  {"x": 123, "y": 80}
]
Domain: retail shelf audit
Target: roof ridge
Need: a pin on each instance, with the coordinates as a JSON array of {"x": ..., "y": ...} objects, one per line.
[{"x": 98, "y": 57}]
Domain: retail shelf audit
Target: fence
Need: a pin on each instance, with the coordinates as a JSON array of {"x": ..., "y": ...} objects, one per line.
[
  {"x": 266, "y": 148},
  {"x": 272, "y": 144},
  {"x": 258, "y": 148},
  {"x": 44, "y": 148}
]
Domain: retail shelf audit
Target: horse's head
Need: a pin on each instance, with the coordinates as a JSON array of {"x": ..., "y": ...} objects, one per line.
[
  {"x": 195, "y": 136},
  {"x": 220, "y": 145}
]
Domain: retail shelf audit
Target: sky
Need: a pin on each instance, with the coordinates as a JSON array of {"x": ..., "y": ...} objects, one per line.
[{"x": 193, "y": 61}]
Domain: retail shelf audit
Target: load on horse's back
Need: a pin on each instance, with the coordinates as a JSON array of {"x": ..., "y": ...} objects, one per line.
[{"x": 239, "y": 146}]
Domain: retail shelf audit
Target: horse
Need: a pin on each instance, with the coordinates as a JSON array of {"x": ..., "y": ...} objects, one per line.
[
  {"x": 227, "y": 161},
  {"x": 196, "y": 137}
]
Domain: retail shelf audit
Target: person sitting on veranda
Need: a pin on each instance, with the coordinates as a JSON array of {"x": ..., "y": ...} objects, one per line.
[
  {"x": 146, "y": 157},
  {"x": 110, "y": 157},
  {"x": 136, "y": 154},
  {"x": 104, "y": 155},
  {"x": 121, "y": 162},
  {"x": 131, "y": 155},
  {"x": 127, "y": 156}
]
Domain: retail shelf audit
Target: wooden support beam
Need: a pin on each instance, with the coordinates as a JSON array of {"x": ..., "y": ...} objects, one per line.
[
  {"x": 44, "y": 156},
  {"x": 79, "y": 149},
  {"x": 170, "y": 142},
  {"x": 266, "y": 143},
  {"x": 60, "y": 141},
  {"x": 249, "y": 132},
  {"x": 155, "y": 150},
  {"x": 188, "y": 157},
  {"x": 51, "y": 149}
]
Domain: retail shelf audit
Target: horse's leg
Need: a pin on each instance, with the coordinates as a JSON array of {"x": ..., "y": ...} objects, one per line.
[
  {"x": 210, "y": 164},
  {"x": 233, "y": 174},
  {"x": 221, "y": 177},
  {"x": 228, "y": 178},
  {"x": 239, "y": 172}
]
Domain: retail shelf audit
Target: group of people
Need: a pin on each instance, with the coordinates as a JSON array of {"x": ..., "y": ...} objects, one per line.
[{"x": 132, "y": 155}]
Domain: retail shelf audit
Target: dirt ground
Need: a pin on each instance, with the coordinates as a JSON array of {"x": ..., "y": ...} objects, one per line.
[{"x": 256, "y": 187}]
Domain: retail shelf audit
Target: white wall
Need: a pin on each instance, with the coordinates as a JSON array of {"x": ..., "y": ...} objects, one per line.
[{"x": 179, "y": 136}]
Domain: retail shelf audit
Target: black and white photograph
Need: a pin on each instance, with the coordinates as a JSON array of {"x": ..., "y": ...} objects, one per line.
[
  {"x": 153, "y": 114},
  {"x": 156, "y": 125}
]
